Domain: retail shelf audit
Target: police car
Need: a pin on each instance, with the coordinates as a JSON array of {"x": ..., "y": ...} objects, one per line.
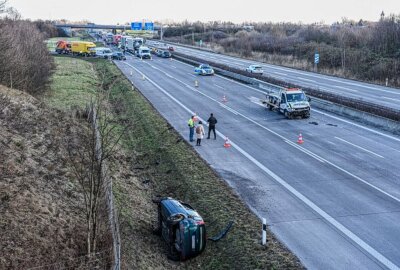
[{"x": 204, "y": 69}]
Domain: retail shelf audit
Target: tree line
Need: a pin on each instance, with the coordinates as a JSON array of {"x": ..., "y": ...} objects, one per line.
[
  {"x": 25, "y": 62},
  {"x": 362, "y": 50}
]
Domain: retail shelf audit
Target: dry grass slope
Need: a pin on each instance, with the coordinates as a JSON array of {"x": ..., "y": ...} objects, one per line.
[{"x": 40, "y": 210}]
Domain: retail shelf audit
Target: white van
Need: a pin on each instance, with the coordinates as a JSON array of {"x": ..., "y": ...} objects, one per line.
[
  {"x": 144, "y": 52},
  {"x": 103, "y": 52}
]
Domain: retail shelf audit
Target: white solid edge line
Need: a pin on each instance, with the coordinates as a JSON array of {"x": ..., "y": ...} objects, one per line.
[
  {"x": 377, "y": 255},
  {"x": 394, "y": 99},
  {"x": 357, "y": 125},
  {"x": 359, "y": 147}
]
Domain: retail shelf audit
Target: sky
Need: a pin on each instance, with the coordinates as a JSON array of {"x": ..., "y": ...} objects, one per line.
[{"x": 237, "y": 11}]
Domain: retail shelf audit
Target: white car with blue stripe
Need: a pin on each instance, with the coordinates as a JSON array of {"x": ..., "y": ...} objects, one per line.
[{"x": 204, "y": 69}]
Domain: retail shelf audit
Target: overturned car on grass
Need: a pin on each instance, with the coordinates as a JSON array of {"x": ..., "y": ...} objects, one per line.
[{"x": 181, "y": 227}]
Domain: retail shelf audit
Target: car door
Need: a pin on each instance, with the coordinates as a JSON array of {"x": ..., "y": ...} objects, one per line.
[{"x": 282, "y": 104}]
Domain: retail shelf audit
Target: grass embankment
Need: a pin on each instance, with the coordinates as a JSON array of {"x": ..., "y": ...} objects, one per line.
[
  {"x": 74, "y": 84},
  {"x": 42, "y": 219},
  {"x": 152, "y": 160}
]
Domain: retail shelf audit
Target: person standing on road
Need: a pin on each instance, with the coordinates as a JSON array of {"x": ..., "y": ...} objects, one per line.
[
  {"x": 212, "y": 121},
  {"x": 191, "y": 128},
  {"x": 199, "y": 133}
]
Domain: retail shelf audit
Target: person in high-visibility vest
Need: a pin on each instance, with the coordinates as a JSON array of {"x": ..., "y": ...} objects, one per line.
[{"x": 191, "y": 128}]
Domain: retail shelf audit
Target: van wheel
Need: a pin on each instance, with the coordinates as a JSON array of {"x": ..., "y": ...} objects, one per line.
[{"x": 287, "y": 114}]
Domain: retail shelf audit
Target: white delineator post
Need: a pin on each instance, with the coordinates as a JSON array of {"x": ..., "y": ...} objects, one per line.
[{"x": 264, "y": 232}]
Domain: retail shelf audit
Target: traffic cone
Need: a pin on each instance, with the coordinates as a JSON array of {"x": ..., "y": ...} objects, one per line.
[
  {"x": 131, "y": 72},
  {"x": 143, "y": 77},
  {"x": 224, "y": 99},
  {"x": 227, "y": 143},
  {"x": 196, "y": 83},
  {"x": 195, "y": 118},
  {"x": 300, "y": 139}
]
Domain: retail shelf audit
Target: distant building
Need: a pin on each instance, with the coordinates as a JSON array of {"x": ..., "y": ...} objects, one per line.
[{"x": 248, "y": 27}]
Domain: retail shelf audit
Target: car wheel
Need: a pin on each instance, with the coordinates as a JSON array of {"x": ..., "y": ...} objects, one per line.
[{"x": 178, "y": 242}]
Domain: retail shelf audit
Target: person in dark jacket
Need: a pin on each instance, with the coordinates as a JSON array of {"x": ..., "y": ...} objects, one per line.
[{"x": 212, "y": 121}]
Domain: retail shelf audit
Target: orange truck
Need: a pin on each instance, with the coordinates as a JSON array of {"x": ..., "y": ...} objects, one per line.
[{"x": 63, "y": 47}]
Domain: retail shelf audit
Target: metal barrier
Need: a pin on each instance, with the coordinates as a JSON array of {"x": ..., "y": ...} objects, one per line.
[{"x": 271, "y": 84}]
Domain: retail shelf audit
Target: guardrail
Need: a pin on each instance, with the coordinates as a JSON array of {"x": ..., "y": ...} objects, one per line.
[{"x": 271, "y": 84}]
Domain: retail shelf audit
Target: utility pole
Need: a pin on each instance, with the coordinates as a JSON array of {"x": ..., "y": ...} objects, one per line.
[{"x": 161, "y": 33}]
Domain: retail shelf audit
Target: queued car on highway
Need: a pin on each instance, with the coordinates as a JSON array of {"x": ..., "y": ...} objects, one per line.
[
  {"x": 204, "y": 69},
  {"x": 104, "y": 52},
  {"x": 144, "y": 52},
  {"x": 255, "y": 69},
  {"x": 118, "y": 56},
  {"x": 166, "y": 54},
  {"x": 159, "y": 52}
]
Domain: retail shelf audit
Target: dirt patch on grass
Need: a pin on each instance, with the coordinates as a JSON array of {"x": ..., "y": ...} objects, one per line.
[
  {"x": 160, "y": 162},
  {"x": 41, "y": 218}
]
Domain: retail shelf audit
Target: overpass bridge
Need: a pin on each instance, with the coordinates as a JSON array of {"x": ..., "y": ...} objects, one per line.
[{"x": 67, "y": 27}]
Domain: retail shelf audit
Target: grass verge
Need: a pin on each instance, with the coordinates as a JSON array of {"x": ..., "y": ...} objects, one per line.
[{"x": 73, "y": 85}]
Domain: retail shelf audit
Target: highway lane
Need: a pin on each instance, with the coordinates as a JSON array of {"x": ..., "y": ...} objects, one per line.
[
  {"x": 354, "y": 203},
  {"x": 369, "y": 92}
]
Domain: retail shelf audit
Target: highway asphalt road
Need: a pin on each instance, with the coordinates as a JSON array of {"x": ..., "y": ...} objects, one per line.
[
  {"x": 369, "y": 92},
  {"x": 334, "y": 200}
]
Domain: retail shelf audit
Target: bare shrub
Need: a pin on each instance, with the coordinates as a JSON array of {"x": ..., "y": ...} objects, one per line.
[{"x": 25, "y": 62}]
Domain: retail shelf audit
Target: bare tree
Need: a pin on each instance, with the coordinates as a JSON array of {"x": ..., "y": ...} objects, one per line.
[
  {"x": 88, "y": 154},
  {"x": 2, "y": 6}
]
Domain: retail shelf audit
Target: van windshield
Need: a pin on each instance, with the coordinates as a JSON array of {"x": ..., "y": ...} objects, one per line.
[{"x": 296, "y": 97}]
